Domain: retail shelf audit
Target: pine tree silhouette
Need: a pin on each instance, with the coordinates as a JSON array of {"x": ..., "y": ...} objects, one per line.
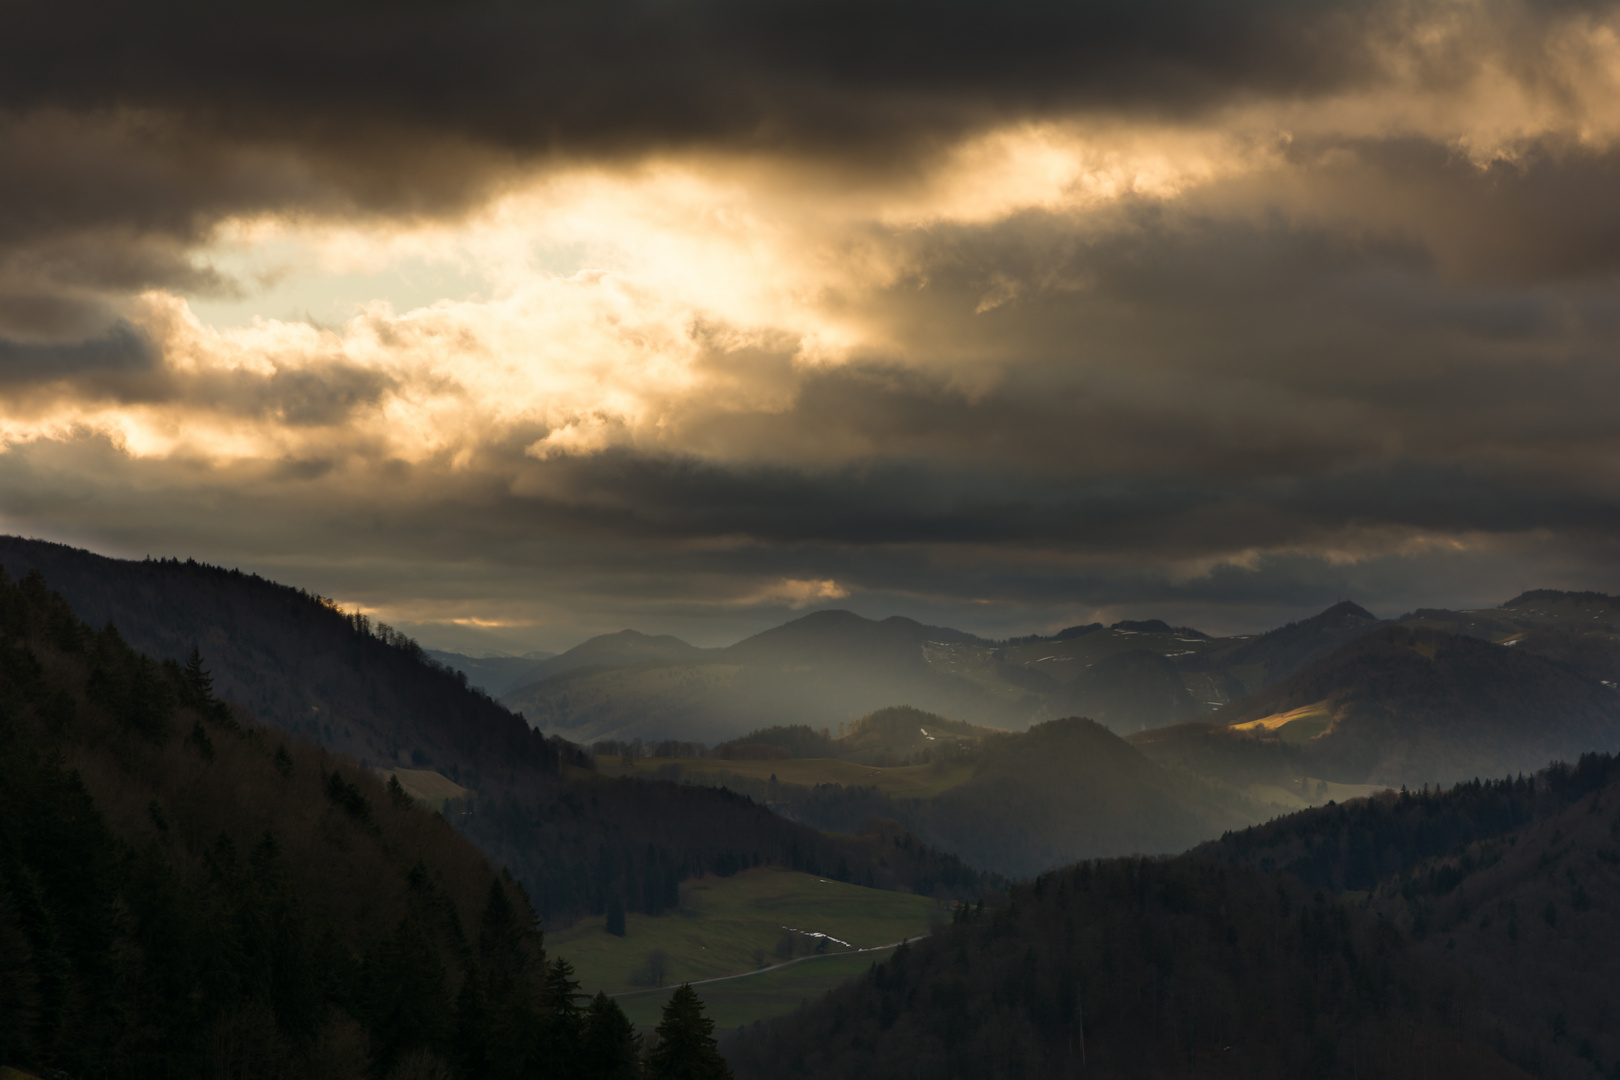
[{"x": 686, "y": 1048}]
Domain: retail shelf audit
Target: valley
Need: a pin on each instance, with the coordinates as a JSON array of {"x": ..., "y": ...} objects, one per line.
[
  {"x": 749, "y": 922},
  {"x": 777, "y": 869}
]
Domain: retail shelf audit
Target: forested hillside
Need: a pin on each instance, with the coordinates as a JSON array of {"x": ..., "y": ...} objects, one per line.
[
  {"x": 1516, "y": 880},
  {"x": 574, "y": 839},
  {"x": 1138, "y": 967},
  {"x": 182, "y": 894},
  {"x": 1357, "y": 844}
]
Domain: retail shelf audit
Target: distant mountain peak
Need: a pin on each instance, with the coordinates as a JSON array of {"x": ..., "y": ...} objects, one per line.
[
  {"x": 1142, "y": 626},
  {"x": 1346, "y": 609}
]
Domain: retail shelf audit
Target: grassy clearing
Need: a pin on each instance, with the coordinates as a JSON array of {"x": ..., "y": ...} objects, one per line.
[
  {"x": 729, "y": 926},
  {"x": 763, "y": 995},
  {"x": 907, "y": 781},
  {"x": 1295, "y": 726}
]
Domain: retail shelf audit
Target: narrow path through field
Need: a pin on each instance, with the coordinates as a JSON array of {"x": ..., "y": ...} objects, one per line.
[{"x": 773, "y": 967}]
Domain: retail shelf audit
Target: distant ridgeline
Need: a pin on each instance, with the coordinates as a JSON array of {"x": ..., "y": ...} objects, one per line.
[
  {"x": 577, "y": 841},
  {"x": 183, "y": 894}
]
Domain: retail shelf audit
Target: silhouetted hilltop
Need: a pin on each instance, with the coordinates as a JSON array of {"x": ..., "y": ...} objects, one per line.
[
  {"x": 626, "y": 648},
  {"x": 1556, "y": 597},
  {"x": 1278, "y": 653},
  {"x": 297, "y": 662},
  {"x": 836, "y": 637}
]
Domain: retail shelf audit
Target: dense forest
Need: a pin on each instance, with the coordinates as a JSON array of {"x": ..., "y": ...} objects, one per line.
[
  {"x": 182, "y": 894},
  {"x": 1141, "y": 968},
  {"x": 1356, "y": 845}
]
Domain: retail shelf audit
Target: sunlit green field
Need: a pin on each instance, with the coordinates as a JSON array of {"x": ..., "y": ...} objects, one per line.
[
  {"x": 728, "y": 926},
  {"x": 764, "y": 995},
  {"x": 910, "y": 781}
]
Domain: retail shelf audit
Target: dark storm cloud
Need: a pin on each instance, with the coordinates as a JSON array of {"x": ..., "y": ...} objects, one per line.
[
  {"x": 1158, "y": 517},
  {"x": 631, "y": 73}
]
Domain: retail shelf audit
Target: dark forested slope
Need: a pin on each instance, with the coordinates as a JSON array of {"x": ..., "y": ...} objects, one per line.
[
  {"x": 1517, "y": 881},
  {"x": 296, "y": 661},
  {"x": 1144, "y": 968},
  {"x": 1534, "y": 916},
  {"x": 183, "y": 895},
  {"x": 1359, "y": 843}
]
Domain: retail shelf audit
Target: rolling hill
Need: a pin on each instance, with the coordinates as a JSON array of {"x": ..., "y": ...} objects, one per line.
[{"x": 1013, "y": 803}]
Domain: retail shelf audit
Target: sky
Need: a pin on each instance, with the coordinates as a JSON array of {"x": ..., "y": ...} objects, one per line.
[{"x": 513, "y": 322}]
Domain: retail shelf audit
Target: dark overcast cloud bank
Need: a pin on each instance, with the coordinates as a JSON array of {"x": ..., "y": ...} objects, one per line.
[{"x": 595, "y": 75}]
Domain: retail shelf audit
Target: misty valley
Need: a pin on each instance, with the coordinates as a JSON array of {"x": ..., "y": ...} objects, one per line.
[{"x": 248, "y": 833}]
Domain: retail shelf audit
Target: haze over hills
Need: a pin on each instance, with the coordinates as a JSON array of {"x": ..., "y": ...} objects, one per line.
[
  {"x": 575, "y": 842},
  {"x": 826, "y": 668},
  {"x": 1015, "y": 803},
  {"x": 494, "y": 675},
  {"x": 831, "y": 667}
]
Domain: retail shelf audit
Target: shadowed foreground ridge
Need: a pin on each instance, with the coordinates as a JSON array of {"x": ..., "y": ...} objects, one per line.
[
  {"x": 1136, "y": 967},
  {"x": 184, "y": 895}
]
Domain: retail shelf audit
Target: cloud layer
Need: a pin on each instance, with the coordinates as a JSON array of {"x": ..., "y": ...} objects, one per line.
[{"x": 513, "y": 322}]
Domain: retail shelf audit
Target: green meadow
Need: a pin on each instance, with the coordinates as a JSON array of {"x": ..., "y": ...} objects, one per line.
[{"x": 751, "y": 921}]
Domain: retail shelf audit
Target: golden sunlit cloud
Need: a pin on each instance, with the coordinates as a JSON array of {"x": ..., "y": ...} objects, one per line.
[{"x": 1077, "y": 311}]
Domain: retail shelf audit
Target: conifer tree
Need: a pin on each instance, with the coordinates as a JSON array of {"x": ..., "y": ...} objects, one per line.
[
  {"x": 564, "y": 1020},
  {"x": 609, "y": 1047},
  {"x": 686, "y": 1048},
  {"x": 615, "y": 916}
]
